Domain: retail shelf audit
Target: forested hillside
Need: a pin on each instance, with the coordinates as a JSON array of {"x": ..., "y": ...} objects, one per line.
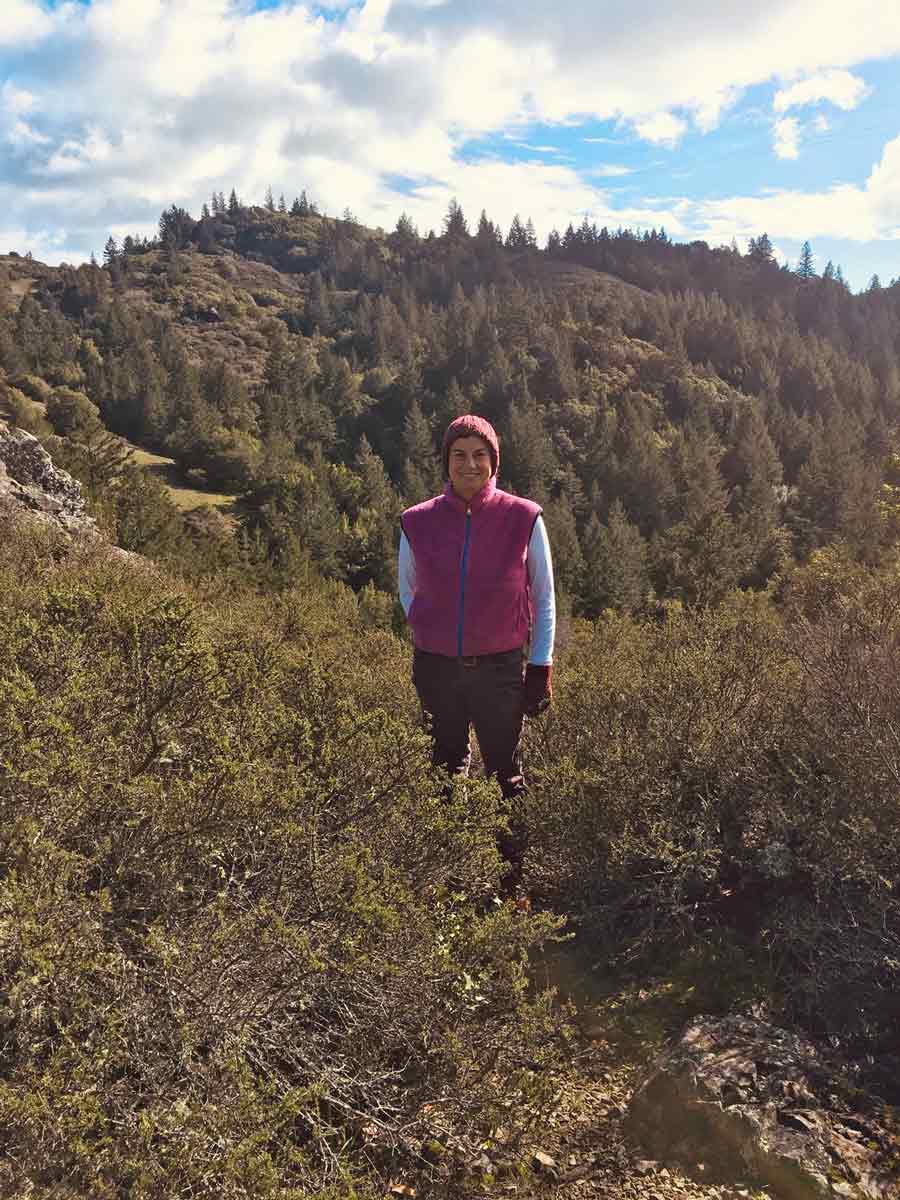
[
  {"x": 247, "y": 947},
  {"x": 693, "y": 419}
]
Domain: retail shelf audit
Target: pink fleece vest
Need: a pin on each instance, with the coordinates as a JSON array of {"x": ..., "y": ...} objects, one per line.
[{"x": 471, "y": 594}]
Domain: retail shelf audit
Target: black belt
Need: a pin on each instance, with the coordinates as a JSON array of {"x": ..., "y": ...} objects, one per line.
[{"x": 473, "y": 660}]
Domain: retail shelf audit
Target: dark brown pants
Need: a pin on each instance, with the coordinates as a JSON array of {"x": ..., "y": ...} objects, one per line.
[{"x": 488, "y": 695}]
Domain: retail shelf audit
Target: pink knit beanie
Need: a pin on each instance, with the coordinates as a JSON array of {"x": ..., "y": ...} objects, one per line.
[{"x": 471, "y": 426}]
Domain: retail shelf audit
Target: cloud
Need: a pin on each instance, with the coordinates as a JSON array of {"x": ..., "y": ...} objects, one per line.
[
  {"x": 610, "y": 171},
  {"x": 787, "y": 137},
  {"x": 838, "y": 87},
  {"x": 23, "y": 22},
  {"x": 537, "y": 149},
  {"x": 662, "y": 129},
  {"x": 845, "y": 211},
  {"x": 115, "y": 108}
]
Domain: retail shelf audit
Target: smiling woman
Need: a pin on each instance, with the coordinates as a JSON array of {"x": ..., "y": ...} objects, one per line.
[{"x": 476, "y": 584}]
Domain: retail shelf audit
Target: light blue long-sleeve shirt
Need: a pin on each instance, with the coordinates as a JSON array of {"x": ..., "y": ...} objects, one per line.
[{"x": 540, "y": 581}]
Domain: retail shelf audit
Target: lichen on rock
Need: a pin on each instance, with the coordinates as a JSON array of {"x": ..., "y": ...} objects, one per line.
[
  {"x": 748, "y": 1099},
  {"x": 30, "y": 483}
]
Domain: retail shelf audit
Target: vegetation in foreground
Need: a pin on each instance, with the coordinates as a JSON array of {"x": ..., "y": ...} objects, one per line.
[
  {"x": 237, "y": 947},
  {"x": 246, "y": 946}
]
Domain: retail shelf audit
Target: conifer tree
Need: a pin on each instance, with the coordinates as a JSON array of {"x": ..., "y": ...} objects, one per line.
[
  {"x": 455, "y": 224},
  {"x": 615, "y": 564},
  {"x": 110, "y": 252},
  {"x": 760, "y": 250},
  {"x": 806, "y": 267},
  {"x": 516, "y": 239}
]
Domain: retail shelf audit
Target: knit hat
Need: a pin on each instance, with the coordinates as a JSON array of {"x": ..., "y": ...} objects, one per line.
[{"x": 471, "y": 426}]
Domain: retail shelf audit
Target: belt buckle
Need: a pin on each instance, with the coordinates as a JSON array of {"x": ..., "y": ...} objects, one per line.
[{"x": 468, "y": 660}]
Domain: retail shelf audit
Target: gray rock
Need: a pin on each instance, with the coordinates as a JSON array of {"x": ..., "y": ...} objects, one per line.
[
  {"x": 746, "y": 1098},
  {"x": 31, "y": 487},
  {"x": 30, "y": 483}
]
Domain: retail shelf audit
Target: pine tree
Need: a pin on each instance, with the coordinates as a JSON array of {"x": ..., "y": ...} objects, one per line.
[
  {"x": 405, "y": 229},
  {"x": 805, "y": 267},
  {"x": 282, "y": 207},
  {"x": 568, "y": 560},
  {"x": 760, "y": 250},
  {"x": 698, "y": 558},
  {"x": 269, "y": 201},
  {"x": 422, "y": 468},
  {"x": 110, "y": 252},
  {"x": 516, "y": 238},
  {"x": 234, "y": 206},
  {"x": 455, "y": 224},
  {"x": 615, "y": 557}
]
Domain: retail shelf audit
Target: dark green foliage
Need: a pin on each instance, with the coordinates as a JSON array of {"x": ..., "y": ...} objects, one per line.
[
  {"x": 230, "y": 960},
  {"x": 734, "y": 773},
  {"x": 738, "y": 413}
]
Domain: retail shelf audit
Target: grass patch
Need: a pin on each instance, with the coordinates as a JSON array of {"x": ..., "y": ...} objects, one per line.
[{"x": 182, "y": 496}]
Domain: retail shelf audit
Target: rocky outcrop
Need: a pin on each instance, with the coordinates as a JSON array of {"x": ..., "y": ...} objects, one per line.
[
  {"x": 30, "y": 483},
  {"x": 748, "y": 1100}
]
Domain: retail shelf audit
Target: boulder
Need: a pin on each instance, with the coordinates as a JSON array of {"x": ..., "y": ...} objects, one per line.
[
  {"x": 751, "y": 1101},
  {"x": 30, "y": 483}
]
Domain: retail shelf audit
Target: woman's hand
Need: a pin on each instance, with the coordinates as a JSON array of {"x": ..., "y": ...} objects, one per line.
[{"x": 538, "y": 690}]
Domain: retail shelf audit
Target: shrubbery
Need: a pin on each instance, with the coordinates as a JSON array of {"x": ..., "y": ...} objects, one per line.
[
  {"x": 239, "y": 946},
  {"x": 738, "y": 771}
]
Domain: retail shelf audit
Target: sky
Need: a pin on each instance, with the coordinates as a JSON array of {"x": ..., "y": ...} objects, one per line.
[{"x": 716, "y": 122}]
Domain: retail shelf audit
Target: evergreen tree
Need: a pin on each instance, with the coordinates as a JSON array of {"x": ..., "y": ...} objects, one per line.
[
  {"x": 421, "y": 472},
  {"x": 760, "y": 250},
  {"x": 805, "y": 267},
  {"x": 269, "y": 201},
  {"x": 516, "y": 238},
  {"x": 615, "y": 557},
  {"x": 455, "y": 224}
]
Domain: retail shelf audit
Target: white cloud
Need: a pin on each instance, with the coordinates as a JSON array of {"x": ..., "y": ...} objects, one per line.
[
  {"x": 662, "y": 129},
  {"x": 787, "y": 137},
  {"x": 838, "y": 87},
  {"x": 845, "y": 211},
  {"x": 22, "y": 22},
  {"x": 821, "y": 124},
  {"x": 609, "y": 171},
  {"x": 164, "y": 101}
]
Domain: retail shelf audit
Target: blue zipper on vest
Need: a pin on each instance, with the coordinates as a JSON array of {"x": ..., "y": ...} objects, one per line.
[{"x": 462, "y": 584}]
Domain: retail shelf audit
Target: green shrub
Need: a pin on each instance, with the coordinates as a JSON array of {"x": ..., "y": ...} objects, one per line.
[
  {"x": 239, "y": 946},
  {"x": 735, "y": 772}
]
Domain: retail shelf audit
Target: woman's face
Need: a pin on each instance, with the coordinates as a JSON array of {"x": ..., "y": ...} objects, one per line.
[{"x": 469, "y": 466}]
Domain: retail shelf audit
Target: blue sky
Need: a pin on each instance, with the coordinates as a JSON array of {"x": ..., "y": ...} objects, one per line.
[{"x": 717, "y": 122}]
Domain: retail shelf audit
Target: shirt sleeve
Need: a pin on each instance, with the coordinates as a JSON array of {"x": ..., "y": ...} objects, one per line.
[
  {"x": 406, "y": 573},
  {"x": 543, "y": 598}
]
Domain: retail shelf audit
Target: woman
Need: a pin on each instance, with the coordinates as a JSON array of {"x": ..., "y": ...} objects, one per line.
[{"x": 476, "y": 584}]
